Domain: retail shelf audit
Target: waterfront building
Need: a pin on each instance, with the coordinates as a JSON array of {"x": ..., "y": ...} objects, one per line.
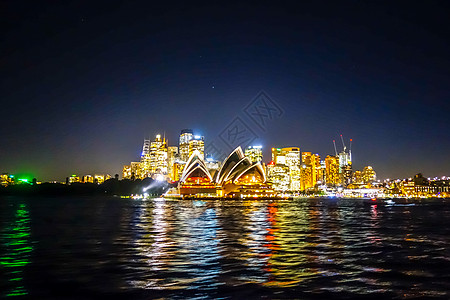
[
  {"x": 185, "y": 136},
  {"x": 357, "y": 177},
  {"x": 172, "y": 156},
  {"x": 310, "y": 172},
  {"x": 136, "y": 170},
  {"x": 158, "y": 156},
  {"x": 368, "y": 175},
  {"x": 145, "y": 159},
  {"x": 74, "y": 178},
  {"x": 88, "y": 179},
  {"x": 345, "y": 165},
  {"x": 197, "y": 143},
  {"x": 332, "y": 171},
  {"x": 196, "y": 179},
  {"x": 284, "y": 170},
  {"x": 346, "y": 175},
  {"x": 254, "y": 153},
  {"x": 99, "y": 179},
  {"x": 237, "y": 177},
  {"x": 278, "y": 175},
  {"x": 126, "y": 172},
  {"x": 177, "y": 170},
  {"x": 6, "y": 179},
  {"x": 321, "y": 173}
]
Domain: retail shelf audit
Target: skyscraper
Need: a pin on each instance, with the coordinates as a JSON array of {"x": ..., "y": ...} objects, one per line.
[
  {"x": 332, "y": 171},
  {"x": 185, "y": 136},
  {"x": 158, "y": 156},
  {"x": 368, "y": 175},
  {"x": 172, "y": 156},
  {"x": 145, "y": 159},
  {"x": 310, "y": 170},
  {"x": 197, "y": 143},
  {"x": 278, "y": 175},
  {"x": 254, "y": 153},
  {"x": 285, "y": 160}
]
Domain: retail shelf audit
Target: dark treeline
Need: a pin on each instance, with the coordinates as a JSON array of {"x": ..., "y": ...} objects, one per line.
[{"x": 112, "y": 186}]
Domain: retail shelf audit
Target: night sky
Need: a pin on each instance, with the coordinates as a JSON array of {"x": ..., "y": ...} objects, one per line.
[{"x": 83, "y": 84}]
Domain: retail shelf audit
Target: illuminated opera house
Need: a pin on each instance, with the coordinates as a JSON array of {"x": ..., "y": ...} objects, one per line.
[{"x": 238, "y": 177}]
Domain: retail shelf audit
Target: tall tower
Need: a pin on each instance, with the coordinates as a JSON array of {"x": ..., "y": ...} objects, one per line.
[
  {"x": 145, "y": 159},
  {"x": 332, "y": 170},
  {"x": 254, "y": 153},
  {"x": 185, "y": 136},
  {"x": 172, "y": 156},
  {"x": 197, "y": 143},
  {"x": 310, "y": 170},
  {"x": 286, "y": 160},
  {"x": 345, "y": 164},
  {"x": 158, "y": 156}
]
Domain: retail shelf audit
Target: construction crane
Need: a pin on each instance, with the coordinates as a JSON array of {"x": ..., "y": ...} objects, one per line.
[
  {"x": 342, "y": 139},
  {"x": 335, "y": 151}
]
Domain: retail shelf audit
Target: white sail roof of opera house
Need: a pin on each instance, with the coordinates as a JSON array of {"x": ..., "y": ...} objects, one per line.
[
  {"x": 229, "y": 163},
  {"x": 237, "y": 165},
  {"x": 254, "y": 167},
  {"x": 195, "y": 162}
]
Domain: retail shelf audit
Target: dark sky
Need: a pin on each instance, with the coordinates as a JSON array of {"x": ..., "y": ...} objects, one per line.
[{"x": 83, "y": 83}]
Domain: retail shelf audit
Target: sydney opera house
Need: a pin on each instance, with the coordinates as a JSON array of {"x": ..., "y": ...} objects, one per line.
[{"x": 238, "y": 177}]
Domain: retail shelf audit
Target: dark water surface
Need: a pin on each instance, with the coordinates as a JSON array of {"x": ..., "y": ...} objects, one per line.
[{"x": 92, "y": 248}]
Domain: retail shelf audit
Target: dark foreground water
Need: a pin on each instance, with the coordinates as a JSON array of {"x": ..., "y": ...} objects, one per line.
[{"x": 112, "y": 248}]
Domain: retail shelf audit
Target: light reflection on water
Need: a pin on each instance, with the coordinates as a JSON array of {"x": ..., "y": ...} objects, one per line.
[
  {"x": 157, "y": 248},
  {"x": 16, "y": 250}
]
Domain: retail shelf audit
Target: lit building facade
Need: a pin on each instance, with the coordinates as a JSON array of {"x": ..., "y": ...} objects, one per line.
[
  {"x": 284, "y": 170},
  {"x": 357, "y": 177},
  {"x": 145, "y": 159},
  {"x": 345, "y": 167},
  {"x": 368, "y": 175},
  {"x": 197, "y": 143},
  {"x": 172, "y": 156},
  {"x": 185, "y": 136},
  {"x": 254, "y": 153},
  {"x": 177, "y": 170},
  {"x": 278, "y": 175},
  {"x": 310, "y": 171},
  {"x": 158, "y": 156},
  {"x": 332, "y": 171}
]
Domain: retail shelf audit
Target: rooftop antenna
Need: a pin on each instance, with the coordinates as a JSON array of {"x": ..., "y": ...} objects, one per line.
[
  {"x": 342, "y": 139},
  {"x": 334, "y": 143}
]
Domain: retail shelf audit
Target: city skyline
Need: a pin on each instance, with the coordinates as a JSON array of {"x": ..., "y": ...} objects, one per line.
[{"x": 85, "y": 83}]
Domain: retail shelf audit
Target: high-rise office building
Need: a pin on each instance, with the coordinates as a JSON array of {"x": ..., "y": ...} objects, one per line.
[
  {"x": 368, "y": 175},
  {"x": 285, "y": 160},
  {"x": 310, "y": 170},
  {"x": 357, "y": 177},
  {"x": 278, "y": 175},
  {"x": 254, "y": 153},
  {"x": 172, "y": 156},
  {"x": 136, "y": 170},
  {"x": 197, "y": 143},
  {"x": 145, "y": 159},
  {"x": 158, "y": 156},
  {"x": 185, "y": 136},
  {"x": 345, "y": 166},
  {"x": 332, "y": 170},
  {"x": 126, "y": 172}
]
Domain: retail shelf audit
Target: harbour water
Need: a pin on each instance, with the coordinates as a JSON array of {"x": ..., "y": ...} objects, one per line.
[{"x": 98, "y": 247}]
